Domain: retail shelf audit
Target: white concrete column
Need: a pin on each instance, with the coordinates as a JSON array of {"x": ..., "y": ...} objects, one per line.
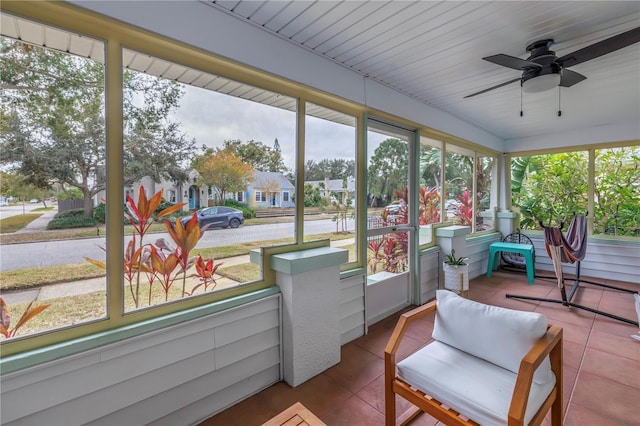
[
  {"x": 508, "y": 222},
  {"x": 310, "y": 285}
]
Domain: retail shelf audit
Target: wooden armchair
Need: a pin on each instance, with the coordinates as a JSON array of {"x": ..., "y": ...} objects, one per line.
[{"x": 486, "y": 365}]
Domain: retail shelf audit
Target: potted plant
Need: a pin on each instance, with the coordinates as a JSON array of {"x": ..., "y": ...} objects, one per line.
[{"x": 456, "y": 273}]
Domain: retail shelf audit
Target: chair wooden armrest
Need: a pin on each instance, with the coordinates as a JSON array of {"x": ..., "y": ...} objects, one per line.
[
  {"x": 390, "y": 358},
  {"x": 401, "y": 327},
  {"x": 549, "y": 344}
]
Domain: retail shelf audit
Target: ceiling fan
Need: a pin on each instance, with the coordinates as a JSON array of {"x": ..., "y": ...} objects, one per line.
[{"x": 543, "y": 70}]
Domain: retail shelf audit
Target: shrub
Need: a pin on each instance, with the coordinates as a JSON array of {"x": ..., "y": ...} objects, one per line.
[
  {"x": 99, "y": 213},
  {"x": 69, "y": 213},
  {"x": 247, "y": 211},
  {"x": 164, "y": 204},
  {"x": 72, "y": 222}
]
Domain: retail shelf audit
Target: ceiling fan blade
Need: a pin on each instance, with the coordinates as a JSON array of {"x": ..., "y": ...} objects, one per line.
[
  {"x": 511, "y": 62},
  {"x": 492, "y": 88},
  {"x": 601, "y": 48},
  {"x": 569, "y": 78}
]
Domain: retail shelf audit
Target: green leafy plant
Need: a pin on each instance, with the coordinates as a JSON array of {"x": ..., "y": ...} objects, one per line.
[
  {"x": 247, "y": 212},
  {"x": 455, "y": 261}
]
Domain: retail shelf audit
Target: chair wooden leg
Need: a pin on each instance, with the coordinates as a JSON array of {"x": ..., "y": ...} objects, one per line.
[
  {"x": 557, "y": 361},
  {"x": 390, "y": 409},
  {"x": 408, "y": 416},
  {"x": 389, "y": 395}
]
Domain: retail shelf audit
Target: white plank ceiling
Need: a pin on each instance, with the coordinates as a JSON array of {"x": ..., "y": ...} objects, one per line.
[{"x": 433, "y": 52}]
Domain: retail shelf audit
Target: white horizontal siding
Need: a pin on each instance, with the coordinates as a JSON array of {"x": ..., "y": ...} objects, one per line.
[
  {"x": 478, "y": 253},
  {"x": 143, "y": 379},
  {"x": 352, "y": 308},
  {"x": 429, "y": 275},
  {"x": 605, "y": 259}
]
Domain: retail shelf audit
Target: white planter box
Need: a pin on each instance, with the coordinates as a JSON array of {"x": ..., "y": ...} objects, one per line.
[{"x": 456, "y": 278}]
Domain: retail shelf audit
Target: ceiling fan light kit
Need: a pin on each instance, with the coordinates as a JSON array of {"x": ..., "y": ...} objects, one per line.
[{"x": 541, "y": 83}]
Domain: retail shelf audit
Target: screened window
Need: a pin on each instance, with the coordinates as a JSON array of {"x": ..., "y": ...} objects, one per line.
[
  {"x": 458, "y": 189},
  {"x": 617, "y": 191},
  {"x": 549, "y": 188},
  {"x": 430, "y": 195},
  {"x": 485, "y": 194},
  {"x": 53, "y": 146},
  {"x": 330, "y": 177},
  {"x": 211, "y": 158}
]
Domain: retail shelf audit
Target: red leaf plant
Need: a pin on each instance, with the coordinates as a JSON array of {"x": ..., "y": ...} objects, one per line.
[
  {"x": 389, "y": 253},
  {"x": 160, "y": 261},
  {"x": 464, "y": 214},
  {"x": 205, "y": 272},
  {"x": 27, "y": 315},
  {"x": 186, "y": 237},
  {"x": 164, "y": 267}
]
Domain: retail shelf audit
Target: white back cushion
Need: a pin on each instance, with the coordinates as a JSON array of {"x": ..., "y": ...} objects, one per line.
[{"x": 498, "y": 335}]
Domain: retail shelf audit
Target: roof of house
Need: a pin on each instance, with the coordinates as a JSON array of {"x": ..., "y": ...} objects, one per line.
[{"x": 267, "y": 179}]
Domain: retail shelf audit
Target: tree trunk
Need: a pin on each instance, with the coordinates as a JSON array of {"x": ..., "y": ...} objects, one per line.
[{"x": 88, "y": 205}]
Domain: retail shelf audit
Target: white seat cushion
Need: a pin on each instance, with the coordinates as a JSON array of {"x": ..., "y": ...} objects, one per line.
[
  {"x": 499, "y": 335},
  {"x": 475, "y": 388}
]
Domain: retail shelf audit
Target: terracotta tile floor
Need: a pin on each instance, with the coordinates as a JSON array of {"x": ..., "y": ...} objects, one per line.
[{"x": 601, "y": 362}]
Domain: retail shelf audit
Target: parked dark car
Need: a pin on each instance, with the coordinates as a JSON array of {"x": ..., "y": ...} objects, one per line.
[{"x": 218, "y": 217}]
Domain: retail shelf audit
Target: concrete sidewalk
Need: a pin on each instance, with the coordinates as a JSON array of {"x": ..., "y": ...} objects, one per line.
[{"x": 39, "y": 224}]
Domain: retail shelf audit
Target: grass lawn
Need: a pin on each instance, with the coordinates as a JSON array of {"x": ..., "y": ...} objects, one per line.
[
  {"x": 70, "y": 310},
  {"x": 17, "y": 222}
]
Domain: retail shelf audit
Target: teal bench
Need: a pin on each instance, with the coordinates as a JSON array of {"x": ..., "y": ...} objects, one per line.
[{"x": 525, "y": 250}]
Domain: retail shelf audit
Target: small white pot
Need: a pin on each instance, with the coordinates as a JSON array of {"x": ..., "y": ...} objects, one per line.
[{"x": 456, "y": 278}]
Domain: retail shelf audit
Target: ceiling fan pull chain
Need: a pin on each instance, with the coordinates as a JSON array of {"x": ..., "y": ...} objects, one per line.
[
  {"x": 559, "y": 100},
  {"x": 521, "y": 113}
]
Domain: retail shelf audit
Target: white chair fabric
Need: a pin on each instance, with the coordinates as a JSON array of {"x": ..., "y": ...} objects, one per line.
[{"x": 477, "y": 389}]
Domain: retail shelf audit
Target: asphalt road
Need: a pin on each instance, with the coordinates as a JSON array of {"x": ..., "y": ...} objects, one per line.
[
  {"x": 48, "y": 253},
  {"x": 8, "y": 211}
]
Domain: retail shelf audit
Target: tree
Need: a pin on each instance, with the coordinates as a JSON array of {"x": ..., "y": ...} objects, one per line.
[
  {"x": 312, "y": 196},
  {"x": 224, "y": 171},
  {"x": 336, "y": 168},
  {"x": 258, "y": 155},
  {"x": 53, "y": 121},
  {"x": 616, "y": 191},
  {"x": 430, "y": 166},
  {"x": 17, "y": 186},
  {"x": 550, "y": 188},
  {"x": 388, "y": 169}
]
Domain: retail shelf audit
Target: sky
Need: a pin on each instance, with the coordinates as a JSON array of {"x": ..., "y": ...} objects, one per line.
[{"x": 211, "y": 118}]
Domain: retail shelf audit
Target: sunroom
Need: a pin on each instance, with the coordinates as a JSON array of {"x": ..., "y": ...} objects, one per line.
[{"x": 302, "y": 311}]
